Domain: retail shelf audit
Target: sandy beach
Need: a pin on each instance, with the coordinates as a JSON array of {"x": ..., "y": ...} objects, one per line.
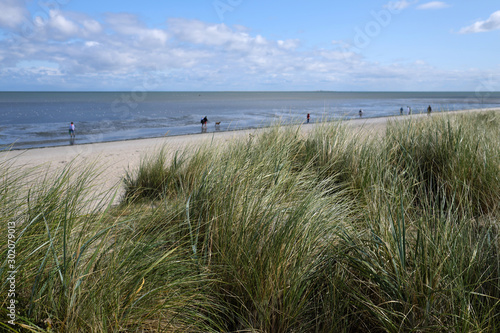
[{"x": 115, "y": 158}]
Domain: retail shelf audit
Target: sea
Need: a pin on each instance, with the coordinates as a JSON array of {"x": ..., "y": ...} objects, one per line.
[{"x": 42, "y": 119}]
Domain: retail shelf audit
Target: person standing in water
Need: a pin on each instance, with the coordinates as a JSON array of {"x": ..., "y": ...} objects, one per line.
[
  {"x": 72, "y": 130},
  {"x": 360, "y": 113},
  {"x": 204, "y": 122},
  {"x": 308, "y": 117},
  {"x": 429, "y": 110}
]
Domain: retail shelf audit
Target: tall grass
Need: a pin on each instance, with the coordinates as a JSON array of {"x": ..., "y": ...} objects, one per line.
[
  {"x": 279, "y": 232},
  {"x": 428, "y": 258},
  {"x": 260, "y": 222},
  {"x": 451, "y": 160},
  {"x": 95, "y": 269},
  {"x": 268, "y": 229}
]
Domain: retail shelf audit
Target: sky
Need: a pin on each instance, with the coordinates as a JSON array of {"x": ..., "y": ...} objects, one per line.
[{"x": 249, "y": 45}]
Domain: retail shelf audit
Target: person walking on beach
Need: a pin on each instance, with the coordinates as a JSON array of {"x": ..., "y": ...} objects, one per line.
[
  {"x": 204, "y": 122},
  {"x": 72, "y": 130},
  {"x": 429, "y": 110},
  {"x": 308, "y": 117},
  {"x": 360, "y": 113},
  {"x": 401, "y": 110},
  {"x": 409, "y": 110}
]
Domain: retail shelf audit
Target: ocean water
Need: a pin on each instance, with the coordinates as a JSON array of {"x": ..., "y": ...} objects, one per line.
[{"x": 41, "y": 119}]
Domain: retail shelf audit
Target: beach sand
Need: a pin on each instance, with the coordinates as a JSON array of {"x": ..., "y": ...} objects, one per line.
[{"x": 113, "y": 159}]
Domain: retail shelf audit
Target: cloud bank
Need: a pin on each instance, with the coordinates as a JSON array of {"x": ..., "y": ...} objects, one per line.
[{"x": 66, "y": 50}]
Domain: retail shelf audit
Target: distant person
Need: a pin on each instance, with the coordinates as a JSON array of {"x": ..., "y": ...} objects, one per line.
[
  {"x": 429, "y": 110},
  {"x": 203, "y": 124},
  {"x": 401, "y": 110},
  {"x": 408, "y": 109},
  {"x": 308, "y": 117},
  {"x": 72, "y": 130},
  {"x": 360, "y": 113}
]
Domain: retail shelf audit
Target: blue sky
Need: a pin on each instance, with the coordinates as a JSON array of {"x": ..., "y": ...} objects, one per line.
[{"x": 214, "y": 45}]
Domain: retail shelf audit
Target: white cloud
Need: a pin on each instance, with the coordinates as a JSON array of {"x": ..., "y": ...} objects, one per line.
[
  {"x": 59, "y": 25},
  {"x": 198, "y": 32},
  {"x": 63, "y": 25},
  {"x": 236, "y": 42},
  {"x": 12, "y": 13},
  {"x": 129, "y": 25},
  {"x": 289, "y": 44},
  {"x": 492, "y": 23},
  {"x": 91, "y": 43},
  {"x": 433, "y": 5},
  {"x": 92, "y": 27}
]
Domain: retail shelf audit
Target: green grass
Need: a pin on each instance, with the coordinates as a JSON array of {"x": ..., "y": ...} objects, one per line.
[{"x": 331, "y": 231}]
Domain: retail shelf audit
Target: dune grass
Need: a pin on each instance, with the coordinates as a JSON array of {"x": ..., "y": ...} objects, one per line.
[{"x": 331, "y": 231}]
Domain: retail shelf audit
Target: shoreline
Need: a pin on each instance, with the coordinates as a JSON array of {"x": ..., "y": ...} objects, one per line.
[
  {"x": 244, "y": 129},
  {"x": 114, "y": 158}
]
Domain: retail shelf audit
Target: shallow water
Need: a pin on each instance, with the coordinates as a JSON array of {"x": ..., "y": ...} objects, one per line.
[{"x": 41, "y": 119}]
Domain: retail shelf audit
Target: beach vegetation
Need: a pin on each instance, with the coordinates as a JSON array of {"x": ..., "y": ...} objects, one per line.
[{"x": 334, "y": 230}]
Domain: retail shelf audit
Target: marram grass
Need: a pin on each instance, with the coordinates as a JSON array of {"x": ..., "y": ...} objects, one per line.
[{"x": 280, "y": 232}]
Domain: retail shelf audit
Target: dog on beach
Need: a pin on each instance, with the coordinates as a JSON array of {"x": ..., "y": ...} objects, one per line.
[{"x": 217, "y": 124}]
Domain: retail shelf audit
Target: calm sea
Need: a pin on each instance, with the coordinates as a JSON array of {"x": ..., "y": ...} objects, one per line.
[{"x": 41, "y": 119}]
